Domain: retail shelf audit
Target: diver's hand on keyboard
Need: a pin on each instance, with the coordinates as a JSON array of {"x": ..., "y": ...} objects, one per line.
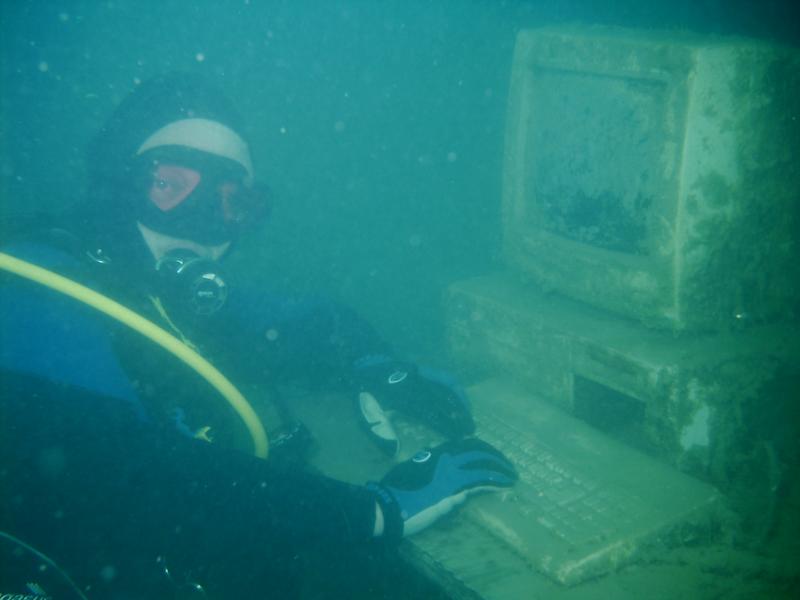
[
  {"x": 429, "y": 396},
  {"x": 421, "y": 490}
]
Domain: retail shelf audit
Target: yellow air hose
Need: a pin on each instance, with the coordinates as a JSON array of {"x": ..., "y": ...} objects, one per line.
[{"x": 151, "y": 331}]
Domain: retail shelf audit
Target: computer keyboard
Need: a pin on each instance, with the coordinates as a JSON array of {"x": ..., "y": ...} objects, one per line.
[
  {"x": 573, "y": 506},
  {"x": 584, "y": 504}
]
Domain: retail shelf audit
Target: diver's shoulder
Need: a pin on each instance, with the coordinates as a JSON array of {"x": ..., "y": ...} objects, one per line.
[{"x": 45, "y": 253}]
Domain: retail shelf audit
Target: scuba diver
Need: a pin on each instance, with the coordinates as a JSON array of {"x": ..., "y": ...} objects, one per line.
[{"x": 111, "y": 488}]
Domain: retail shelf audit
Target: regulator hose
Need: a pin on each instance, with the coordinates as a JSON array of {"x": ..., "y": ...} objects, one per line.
[{"x": 151, "y": 331}]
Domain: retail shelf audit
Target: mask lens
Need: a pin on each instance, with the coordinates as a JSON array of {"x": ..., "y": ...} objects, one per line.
[
  {"x": 172, "y": 185},
  {"x": 244, "y": 207}
]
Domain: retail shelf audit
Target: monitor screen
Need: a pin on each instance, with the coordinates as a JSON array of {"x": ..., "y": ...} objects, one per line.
[{"x": 586, "y": 192}]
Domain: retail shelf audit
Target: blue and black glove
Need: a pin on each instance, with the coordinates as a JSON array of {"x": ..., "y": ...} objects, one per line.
[
  {"x": 423, "y": 489},
  {"x": 426, "y": 395}
]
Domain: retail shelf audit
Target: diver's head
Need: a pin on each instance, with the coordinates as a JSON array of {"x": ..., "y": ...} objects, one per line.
[{"x": 172, "y": 168}]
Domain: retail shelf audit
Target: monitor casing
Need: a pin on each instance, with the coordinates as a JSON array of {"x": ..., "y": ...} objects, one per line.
[{"x": 655, "y": 175}]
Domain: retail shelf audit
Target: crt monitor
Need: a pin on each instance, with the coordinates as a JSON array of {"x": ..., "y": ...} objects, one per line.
[{"x": 655, "y": 175}]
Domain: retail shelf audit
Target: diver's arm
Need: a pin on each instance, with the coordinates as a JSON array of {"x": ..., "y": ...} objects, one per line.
[
  {"x": 83, "y": 474},
  {"x": 309, "y": 339}
]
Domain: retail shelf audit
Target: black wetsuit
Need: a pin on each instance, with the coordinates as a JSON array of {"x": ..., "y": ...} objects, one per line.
[{"x": 96, "y": 475}]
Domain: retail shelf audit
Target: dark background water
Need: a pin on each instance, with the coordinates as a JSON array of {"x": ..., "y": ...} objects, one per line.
[{"x": 378, "y": 124}]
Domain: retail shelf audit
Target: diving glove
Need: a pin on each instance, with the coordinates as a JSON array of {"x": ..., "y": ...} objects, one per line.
[
  {"x": 426, "y": 395},
  {"x": 418, "y": 492}
]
